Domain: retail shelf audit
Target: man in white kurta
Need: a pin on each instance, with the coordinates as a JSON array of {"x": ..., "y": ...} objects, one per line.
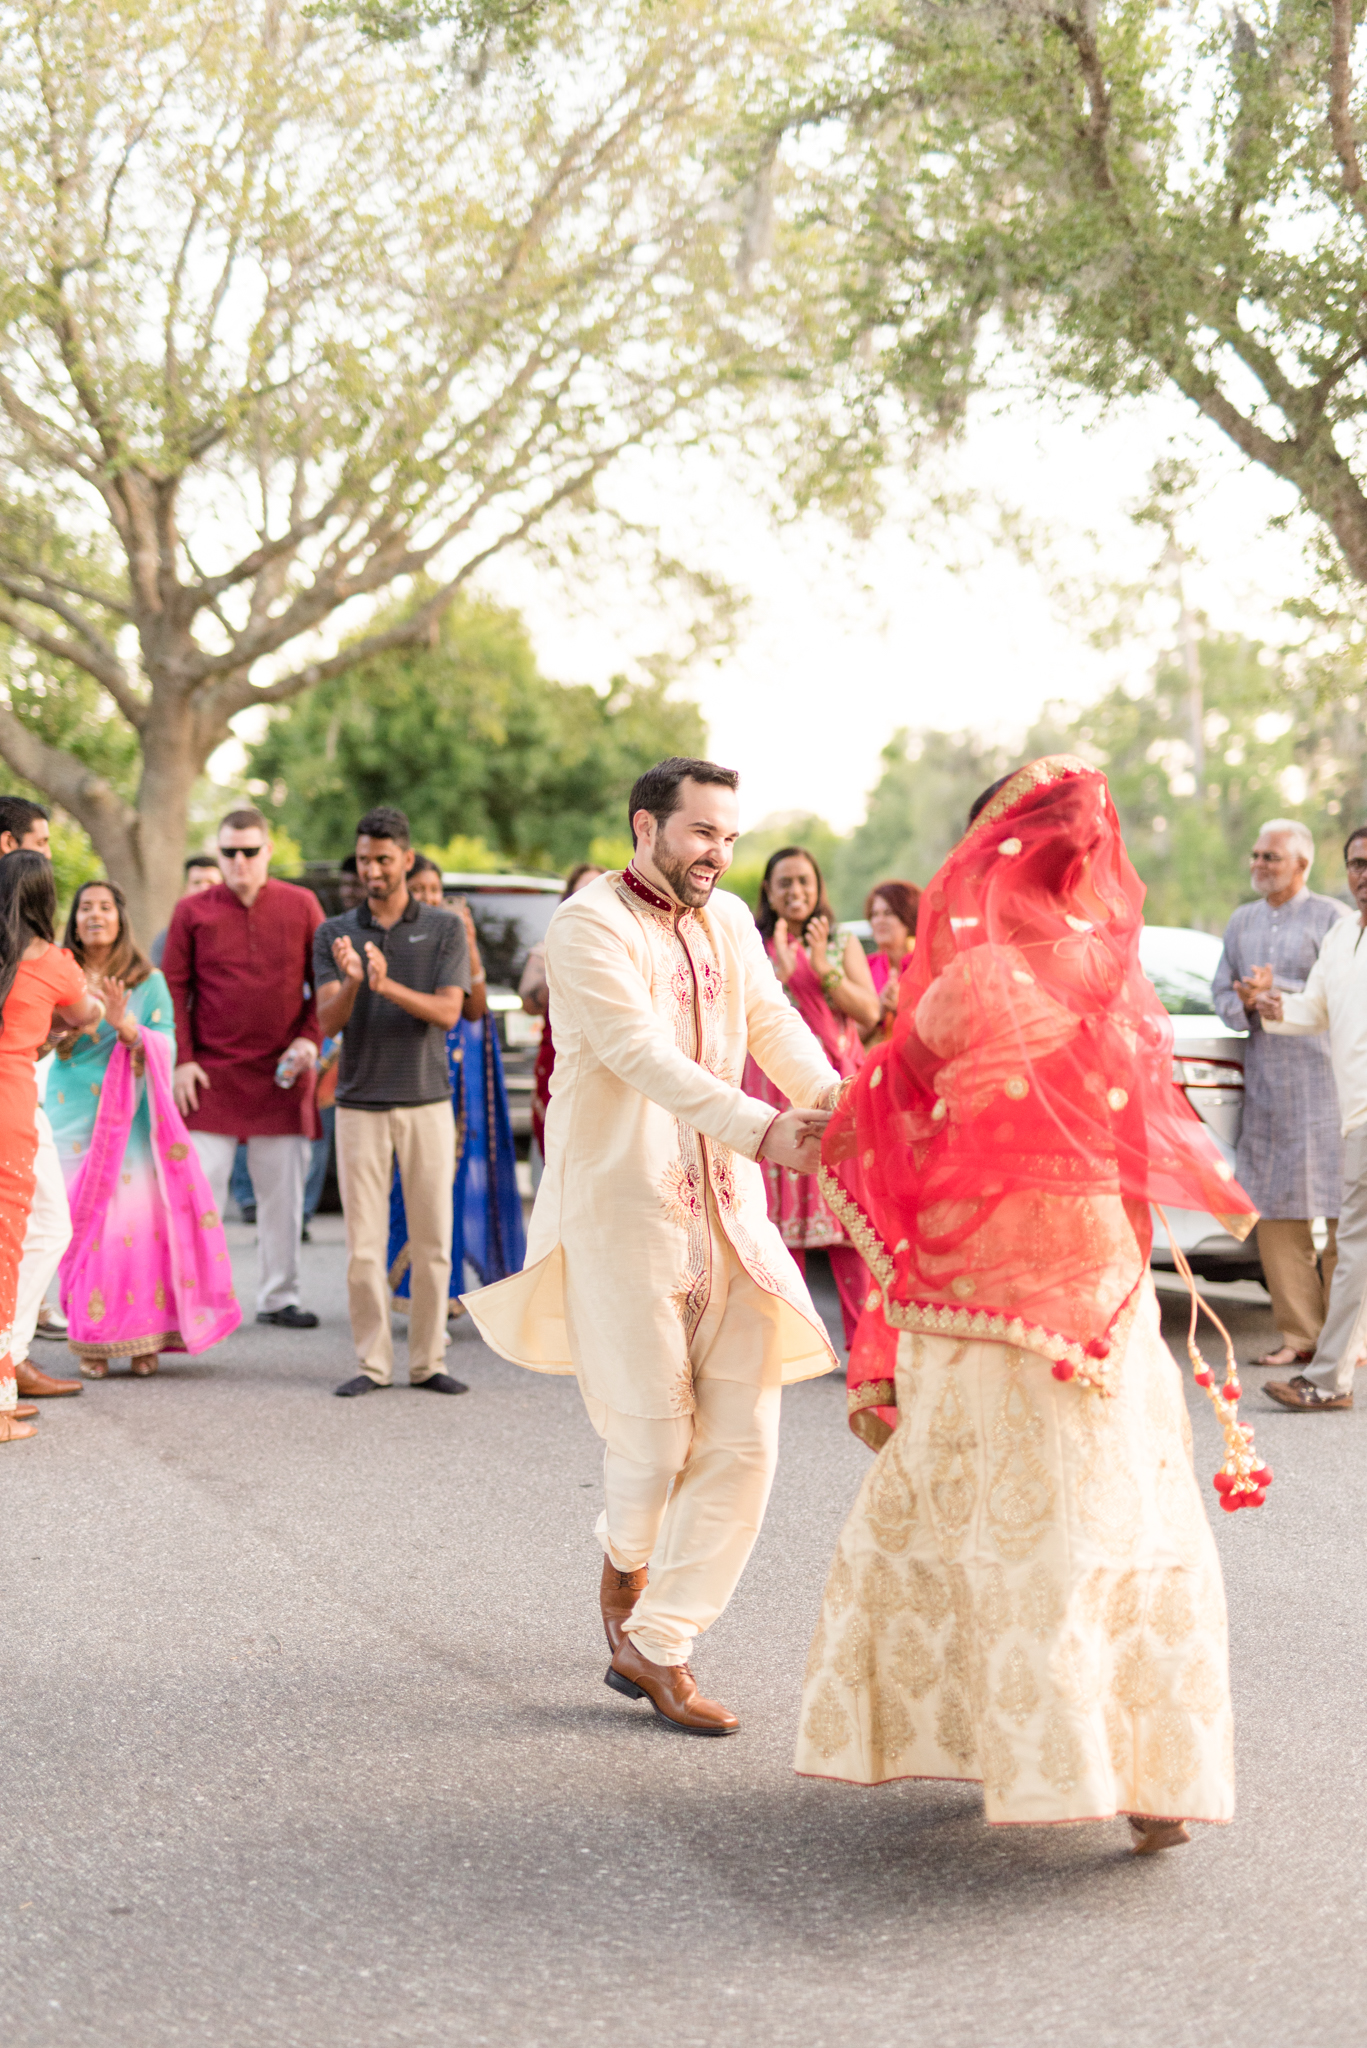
[{"x": 653, "y": 1273}]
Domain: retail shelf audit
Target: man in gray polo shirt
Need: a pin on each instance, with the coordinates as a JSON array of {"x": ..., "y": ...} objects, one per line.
[{"x": 391, "y": 977}]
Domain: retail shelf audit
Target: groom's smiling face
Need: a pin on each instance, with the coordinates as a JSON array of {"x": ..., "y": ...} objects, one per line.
[{"x": 692, "y": 848}]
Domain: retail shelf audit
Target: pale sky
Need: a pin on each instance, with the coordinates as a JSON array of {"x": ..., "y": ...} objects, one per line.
[{"x": 841, "y": 643}]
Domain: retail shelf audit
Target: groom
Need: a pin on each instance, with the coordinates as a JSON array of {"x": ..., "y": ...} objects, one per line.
[{"x": 653, "y": 1273}]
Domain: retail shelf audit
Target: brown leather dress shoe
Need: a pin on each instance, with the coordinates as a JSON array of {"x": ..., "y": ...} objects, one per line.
[
  {"x": 1297, "y": 1393},
  {"x": 671, "y": 1690},
  {"x": 32, "y": 1382},
  {"x": 618, "y": 1593}
]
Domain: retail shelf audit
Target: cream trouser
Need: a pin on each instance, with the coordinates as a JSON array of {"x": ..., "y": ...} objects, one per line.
[
  {"x": 278, "y": 1167},
  {"x": 1292, "y": 1271},
  {"x": 687, "y": 1494},
  {"x": 423, "y": 1140},
  {"x": 1341, "y": 1339},
  {"x": 46, "y": 1238}
]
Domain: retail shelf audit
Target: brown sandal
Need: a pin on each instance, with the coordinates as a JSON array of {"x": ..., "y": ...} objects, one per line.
[
  {"x": 11, "y": 1430},
  {"x": 1151, "y": 1835},
  {"x": 143, "y": 1367}
]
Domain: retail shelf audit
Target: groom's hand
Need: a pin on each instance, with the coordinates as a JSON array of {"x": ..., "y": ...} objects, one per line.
[{"x": 794, "y": 1139}]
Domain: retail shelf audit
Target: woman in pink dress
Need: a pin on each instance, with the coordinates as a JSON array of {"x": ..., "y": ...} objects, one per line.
[
  {"x": 837, "y": 1001},
  {"x": 891, "y": 911}
]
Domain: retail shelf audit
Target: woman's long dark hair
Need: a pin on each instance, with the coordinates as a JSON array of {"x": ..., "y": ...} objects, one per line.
[
  {"x": 766, "y": 917},
  {"x": 28, "y": 910},
  {"x": 127, "y": 962}
]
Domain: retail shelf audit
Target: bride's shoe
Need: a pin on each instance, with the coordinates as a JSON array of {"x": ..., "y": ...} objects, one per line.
[{"x": 1152, "y": 1835}]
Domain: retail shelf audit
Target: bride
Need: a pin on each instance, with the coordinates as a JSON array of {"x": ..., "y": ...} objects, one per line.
[{"x": 1027, "y": 1592}]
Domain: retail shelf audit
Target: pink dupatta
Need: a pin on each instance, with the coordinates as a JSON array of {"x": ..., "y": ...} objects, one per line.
[{"x": 148, "y": 1259}]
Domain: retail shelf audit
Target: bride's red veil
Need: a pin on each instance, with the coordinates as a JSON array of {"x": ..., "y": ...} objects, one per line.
[{"x": 995, "y": 1159}]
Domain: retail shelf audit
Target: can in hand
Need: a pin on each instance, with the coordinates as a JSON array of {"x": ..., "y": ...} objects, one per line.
[{"x": 290, "y": 1067}]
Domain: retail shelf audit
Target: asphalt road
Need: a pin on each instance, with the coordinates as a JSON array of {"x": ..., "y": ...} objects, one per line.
[{"x": 307, "y": 1746}]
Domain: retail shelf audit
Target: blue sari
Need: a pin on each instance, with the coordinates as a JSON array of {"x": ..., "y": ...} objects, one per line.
[{"x": 487, "y": 1227}]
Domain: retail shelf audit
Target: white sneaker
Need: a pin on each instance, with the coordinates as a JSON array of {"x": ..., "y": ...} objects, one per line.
[{"x": 51, "y": 1322}]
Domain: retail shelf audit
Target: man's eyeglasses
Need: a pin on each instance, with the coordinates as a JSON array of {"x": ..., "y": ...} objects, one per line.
[
  {"x": 239, "y": 852},
  {"x": 1267, "y": 857},
  {"x": 1356, "y": 867}
]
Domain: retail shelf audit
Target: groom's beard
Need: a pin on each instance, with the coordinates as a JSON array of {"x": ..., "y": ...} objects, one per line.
[{"x": 680, "y": 879}]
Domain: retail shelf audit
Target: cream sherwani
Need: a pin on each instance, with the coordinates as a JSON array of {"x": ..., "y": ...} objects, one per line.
[{"x": 653, "y": 1272}]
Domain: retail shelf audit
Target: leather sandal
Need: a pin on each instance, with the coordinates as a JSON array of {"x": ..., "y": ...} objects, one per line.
[
  {"x": 671, "y": 1689},
  {"x": 618, "y": 1593},
  {"x": 1151, "y": 1835},
  {"x": 1303, "y": 1393},
  {"x": 143, "y": 1367},
  {"x": 94, "y": 1368},
  {"x": 12, "y": 1430}
]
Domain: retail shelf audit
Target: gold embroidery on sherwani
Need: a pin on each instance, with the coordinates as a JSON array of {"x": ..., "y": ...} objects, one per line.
[
  {"x": 953, "y": 1481},
  {"x": 1020, "y": 1498},
  {"x": 1017, "y": 1693}
]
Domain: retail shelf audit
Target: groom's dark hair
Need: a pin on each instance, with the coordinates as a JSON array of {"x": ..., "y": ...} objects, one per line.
[{"x": 657, "y": 791}]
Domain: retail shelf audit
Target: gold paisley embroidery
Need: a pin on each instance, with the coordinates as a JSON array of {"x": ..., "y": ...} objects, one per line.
[
  {"x": 1041, "y": 1603},
  {"x": 1000, "y": 1766},
  {"x": 1020, "y": 1495},
  {"x": 840, "y": 1585},
  {"x": 1018, "y": 1694},
  {"x": 1136, "y": 1682},
  {"x": 994, "y": 1603},
  {"x": 1074, "y": 1671},
  {"x": 891, "y": 1730},
  {"x": 1171, "y": 1614},
  {"x": 891, "y": 1501},
  {"x": 1060, "y": 1758},
  {"x": 827, "y": 1726},
  {"x": 953, "y": 1479},
  {"x": 1170, "y": 1755},
  {"x": 911, "y": 1666},
  {"x": 954, "y": 1729},
  {"x": 1201, "y": 1691},
  {"x": 1123, "y": 1607},
  {"x": 927, "y": 1594}
]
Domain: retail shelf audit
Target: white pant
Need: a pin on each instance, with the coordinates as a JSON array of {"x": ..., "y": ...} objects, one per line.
[
  {"x": 46, "y": 1238},
  {"x": 686, "y": 1494},
  {"x": 278, "y": 1167}
]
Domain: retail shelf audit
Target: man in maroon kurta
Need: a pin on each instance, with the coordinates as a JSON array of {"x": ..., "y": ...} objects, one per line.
[{"x": 239, "y": 961}]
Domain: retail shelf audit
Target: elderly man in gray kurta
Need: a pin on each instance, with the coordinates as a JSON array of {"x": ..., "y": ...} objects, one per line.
[{"x": 1290, "y": 1155}]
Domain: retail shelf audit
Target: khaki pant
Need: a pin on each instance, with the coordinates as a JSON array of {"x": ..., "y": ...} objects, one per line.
[
  {"x": 423, "y": 1140},
  {"x": 1341, "y": 1339},
  {"x": 1293, "y": 1275},
  {"x": 687, "y": 1494},
  {"x": 277, "y": 1166}
]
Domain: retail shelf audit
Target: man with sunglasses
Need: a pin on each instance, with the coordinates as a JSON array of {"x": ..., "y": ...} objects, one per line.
[
  {"x": 1335, "y": 1000},
  {"x": 239, "y": 964}
]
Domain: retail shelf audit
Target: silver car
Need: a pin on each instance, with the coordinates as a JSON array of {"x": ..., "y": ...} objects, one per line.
[{"x": 1208, "y": 1066}]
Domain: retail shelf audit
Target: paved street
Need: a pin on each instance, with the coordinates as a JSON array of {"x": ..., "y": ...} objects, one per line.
[{"x": 307, "y": 1743}]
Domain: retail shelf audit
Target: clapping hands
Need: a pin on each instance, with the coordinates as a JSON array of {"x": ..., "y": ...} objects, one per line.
[{"x": 1256, "y": 993}]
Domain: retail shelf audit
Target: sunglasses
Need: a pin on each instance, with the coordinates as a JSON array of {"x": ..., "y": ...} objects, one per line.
[{"x": 239, "y": 852}]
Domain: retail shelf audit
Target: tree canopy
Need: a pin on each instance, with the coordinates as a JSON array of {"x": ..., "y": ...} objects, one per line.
[
  {"x": 1119, "y": 194},
  {"x": 472, "y": 741},
  {"x": 296, "y": 319}
]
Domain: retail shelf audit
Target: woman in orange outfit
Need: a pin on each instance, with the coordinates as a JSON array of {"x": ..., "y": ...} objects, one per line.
[{"x": 38, "y": 983}]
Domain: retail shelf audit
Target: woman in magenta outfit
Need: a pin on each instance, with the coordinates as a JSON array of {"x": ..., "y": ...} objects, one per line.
[
  {"x": 837, "y": 1001},
  {"x": 891, "y": 911}
]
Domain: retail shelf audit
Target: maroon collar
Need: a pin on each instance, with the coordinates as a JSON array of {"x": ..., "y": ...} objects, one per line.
[{"x": 647, "y": 894}]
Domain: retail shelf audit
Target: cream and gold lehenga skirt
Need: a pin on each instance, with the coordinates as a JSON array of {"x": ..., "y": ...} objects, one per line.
[{"x": 1027, "y": 1595}]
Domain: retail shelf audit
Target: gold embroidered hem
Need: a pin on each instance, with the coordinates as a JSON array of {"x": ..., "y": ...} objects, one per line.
[
  {"x": 1027, "y": 1594},
  {"x": 860, "y": 1401},
  {"x": 131, "y": 1347}
]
